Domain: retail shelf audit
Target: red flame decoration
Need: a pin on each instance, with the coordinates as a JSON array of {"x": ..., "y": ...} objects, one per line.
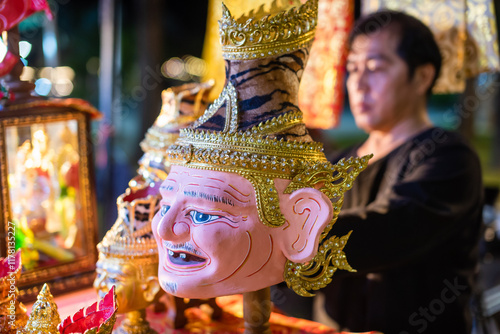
[{"x": 98, "y": 316}]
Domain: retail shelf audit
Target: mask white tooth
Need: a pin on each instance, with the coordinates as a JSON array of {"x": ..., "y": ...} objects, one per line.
[
  {"x": 171, "y": 253},
  {"x": 183, "y": 255}
]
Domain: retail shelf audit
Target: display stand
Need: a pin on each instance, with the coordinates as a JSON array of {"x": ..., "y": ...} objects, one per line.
[{"x": 257, "y": 311}]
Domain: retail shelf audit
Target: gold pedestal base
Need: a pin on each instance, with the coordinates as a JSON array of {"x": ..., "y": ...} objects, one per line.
[{"x": 135, "y": 323}]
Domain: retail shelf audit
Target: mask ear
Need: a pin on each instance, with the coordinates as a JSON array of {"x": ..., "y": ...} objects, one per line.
[
  {"x": 307, "y": 211},
  {"x": 150, "y": 288}
]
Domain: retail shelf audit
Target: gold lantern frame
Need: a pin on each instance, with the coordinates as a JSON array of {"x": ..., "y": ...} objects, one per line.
[{"x": 79, "y": 272}]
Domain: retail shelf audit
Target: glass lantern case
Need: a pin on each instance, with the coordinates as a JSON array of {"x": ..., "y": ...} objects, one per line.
[{"x": 47, "y": 197}]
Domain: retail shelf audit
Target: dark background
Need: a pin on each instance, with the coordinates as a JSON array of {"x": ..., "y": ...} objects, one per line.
[{"x": 148, "y": 33}]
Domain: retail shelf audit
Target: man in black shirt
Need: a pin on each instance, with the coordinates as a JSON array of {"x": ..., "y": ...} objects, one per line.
[{"x": 415, "y": 212}]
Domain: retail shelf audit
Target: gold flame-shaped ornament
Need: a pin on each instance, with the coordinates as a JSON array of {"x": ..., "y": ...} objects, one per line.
[{"x": 44, "y": 316}]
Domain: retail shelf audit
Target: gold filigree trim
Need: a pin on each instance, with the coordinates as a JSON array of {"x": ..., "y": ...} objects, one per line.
[
  {"x": 252, "y": 38},
  {"x": 266, "y": 195},
  {"x": 317, "y": 273},
  {"x": 230, "y": 98}
]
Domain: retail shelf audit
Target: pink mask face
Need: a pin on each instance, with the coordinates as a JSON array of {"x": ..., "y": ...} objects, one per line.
[{"x": 211, "y": 241}]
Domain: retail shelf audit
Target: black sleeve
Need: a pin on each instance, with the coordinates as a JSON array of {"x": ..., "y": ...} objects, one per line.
[{"x": 426, "y": 211}]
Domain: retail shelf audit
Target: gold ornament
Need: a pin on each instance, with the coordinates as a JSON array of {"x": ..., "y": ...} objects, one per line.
[
  {"x": 131, "y": 238},
  {"x": 128, "y": 257},
  {"x": 264, "y": 33},
  {"x": 181, "y": 106},
  {"x": 44, "y": 316},
  {"x": 260, "y": 157},
  {"x": 12, "y": 312},
  {"x": 135, "y": 323}
]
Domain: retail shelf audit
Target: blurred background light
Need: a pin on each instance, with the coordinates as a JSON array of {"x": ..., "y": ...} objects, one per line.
[
  {"x": 64, "y": 73},
  {"x": 28, "y": 74},
  {"x": 92, "y": 65},
  {"x": 186, "y": 69},
  {"x": 63, "y": 87},
  {"x": 24, "y": 48},
  {"x": 43, "y": 86},
  {"x": 173, "y": 68},
  {"x": 49, "y": 45},
  {"x": 46, "y": 72},
  {"x": 195, "y": 66}
]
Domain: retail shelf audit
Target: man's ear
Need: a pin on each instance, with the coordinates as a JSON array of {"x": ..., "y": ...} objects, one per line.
[
  {"x": 423, "y": 76},
  {"x": 150, "y": 288},
  {"x": 307, "y": 212}
]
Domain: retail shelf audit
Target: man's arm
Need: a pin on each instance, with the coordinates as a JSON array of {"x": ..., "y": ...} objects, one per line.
[{"x": 435, "y": 204}]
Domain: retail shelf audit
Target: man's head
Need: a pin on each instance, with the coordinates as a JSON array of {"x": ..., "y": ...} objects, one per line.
[
  {"x": 393, "y": 63},
  {"x": 212, "y": 241}
]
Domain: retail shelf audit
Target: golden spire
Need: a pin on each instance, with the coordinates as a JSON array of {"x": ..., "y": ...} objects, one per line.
[
  {"x": 263, "y": 34},
  {"x": 131, "y": 238},
  {"x": 44, "y": 316}
]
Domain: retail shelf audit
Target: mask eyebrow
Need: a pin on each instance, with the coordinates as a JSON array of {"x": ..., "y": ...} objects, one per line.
[
  {"x": 209, "y": 197},
  {"x": 167, "y": 186}
]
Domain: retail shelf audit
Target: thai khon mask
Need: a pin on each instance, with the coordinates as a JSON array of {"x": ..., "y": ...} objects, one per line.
[{"x": 250, "y": 197}]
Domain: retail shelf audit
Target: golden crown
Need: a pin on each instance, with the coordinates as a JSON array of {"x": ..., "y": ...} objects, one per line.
[
  {"x": 267, "y": 35},
  {"x": 181, "y": 106},
  {"x": 259, "y": 153},
  {"x": 129, "y": 238}
]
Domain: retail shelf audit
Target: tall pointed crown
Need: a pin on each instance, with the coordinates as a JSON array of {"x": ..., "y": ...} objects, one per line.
[
  {"x": 267, "y": 33},
  {"x": 131, "y": 236}
]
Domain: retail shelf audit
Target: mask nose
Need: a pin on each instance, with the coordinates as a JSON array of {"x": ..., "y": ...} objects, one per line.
[{"x": 173, "y": 227}]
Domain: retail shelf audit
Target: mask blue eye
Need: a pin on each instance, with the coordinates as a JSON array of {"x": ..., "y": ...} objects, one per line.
[
  {"x": 202, "y": 218},
  {"x": 164, "y": 209}
]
